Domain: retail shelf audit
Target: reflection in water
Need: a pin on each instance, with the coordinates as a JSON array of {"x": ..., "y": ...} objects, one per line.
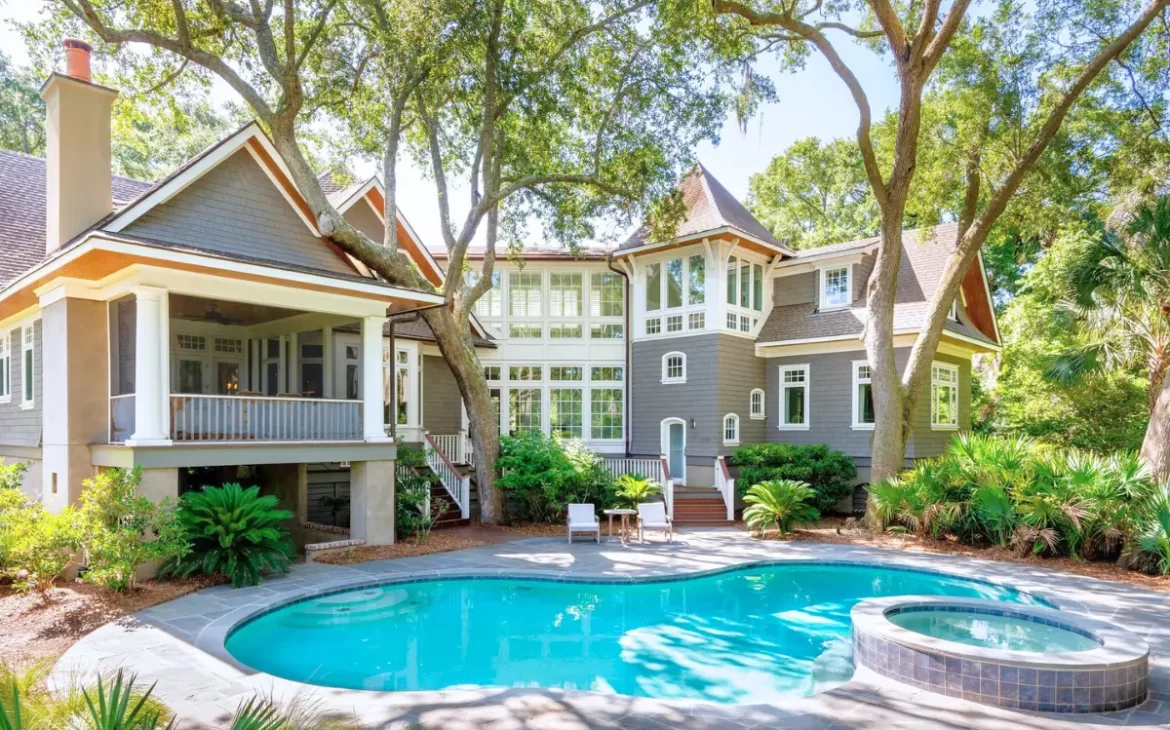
[{"x": 752, "y": 636}]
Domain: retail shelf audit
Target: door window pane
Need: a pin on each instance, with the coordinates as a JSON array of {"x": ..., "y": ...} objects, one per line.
[
  {"x": 564, "y": 412},
  {"x": 271, "y": 371},
  {"x": 677, "y": 454},
  {"x": 227, "y": 378},
  {"x": 653, "y": 287},
  {"x": 351, "y": 382},
  {"x": 674, "y": 283},
  {"x": 312, "y": 379}
]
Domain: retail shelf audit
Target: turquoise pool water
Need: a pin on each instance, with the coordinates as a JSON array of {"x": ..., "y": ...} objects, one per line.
[
  {"x": 750, "y": 636},
  {"x": 996, "y": 632}
]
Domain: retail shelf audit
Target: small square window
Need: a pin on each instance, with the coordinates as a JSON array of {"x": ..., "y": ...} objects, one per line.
[
  {"x": 654, "y": 326},
  {"x": 696, "y": 320},
  {"x": 674, "y": 323},
  {"x": 491, "y": 373}
]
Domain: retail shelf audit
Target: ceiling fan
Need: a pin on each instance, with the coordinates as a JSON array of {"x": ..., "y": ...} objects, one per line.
[{"x": 214, "y": 315}]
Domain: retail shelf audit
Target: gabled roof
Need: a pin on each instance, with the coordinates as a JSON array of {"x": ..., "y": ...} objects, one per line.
[
  {"x": 709, "y": 207},
  {"x": 22, "y": 210}
]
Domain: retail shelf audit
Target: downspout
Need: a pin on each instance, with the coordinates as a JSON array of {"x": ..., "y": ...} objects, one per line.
[{"x": 629, "y": 405}]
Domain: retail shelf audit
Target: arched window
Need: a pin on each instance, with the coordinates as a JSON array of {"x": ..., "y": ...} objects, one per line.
[
  {"x": 757, "y": 404},
  {"x": 674, "y": 367},
  {"x": 731, "y": 430}
]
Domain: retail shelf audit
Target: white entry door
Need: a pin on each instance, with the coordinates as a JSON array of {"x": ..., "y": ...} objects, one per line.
[{"x": 674, "y": 445}]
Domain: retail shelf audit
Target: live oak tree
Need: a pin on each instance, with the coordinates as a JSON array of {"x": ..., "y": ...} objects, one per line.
[
  {"x": 562, "y": 112},
  {"x": 1079, "y": 39}
]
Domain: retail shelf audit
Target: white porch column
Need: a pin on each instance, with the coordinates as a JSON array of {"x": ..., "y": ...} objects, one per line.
[
  {"x": 327, "y": 357},
  {"x": 294, "y": 359},
  {"x": 149, "y": 366},
  {"x": 372, "y": 427}
]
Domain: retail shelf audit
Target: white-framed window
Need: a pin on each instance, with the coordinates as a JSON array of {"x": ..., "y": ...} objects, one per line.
[
  {"x": 863, "y": 411},
  {"x": 524, "y": 410},
  {"x": 674, "y": 323},
  {"x": 526, "y": 331},
  {"x": 676, "y": 284},
  {"x": 564, "y": 413},
  {"x": 607, "y": 295},
  {"x": 696, "y": 279},
  {"x": 953, "y": 314},
  {"x": 654, "y": 326},
  {"x": 229, "y": 346},
  {"x": 525, "y": 293},
  {"x": 491, "y": 304},
  {"x": 674, "y": 367},
  {"x": 28, "y": 369},
  {"x": 794, "y": 402},
  {"x": 607, "y": 332},
  {"x": 566, "y": 294},
  {"x": 756, "y": 404},
  {"x": 565, "y": 372},
  {"x": 191, "y": 343},
  {"x": 696, "y": 320},
  {"x": 944, "y": 396},
  {"x": 607, "y": 374},
  {"x": 525, "y": 372},
  {"x": 491, "y": 373},
  {"x": 836, "y": 287},
  {"x": 731, "y": 430},
  {"x": 606, "y": 414},
  {"x": 5, "y": 370},
  {"x": 565, "y": 331}
]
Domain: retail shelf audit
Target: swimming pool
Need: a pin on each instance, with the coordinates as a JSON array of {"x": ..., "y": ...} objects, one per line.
[{"x": 753, "y": 635}]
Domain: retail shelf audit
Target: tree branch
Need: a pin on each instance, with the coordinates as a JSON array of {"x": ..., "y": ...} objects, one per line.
[{"x": 942, "y": 41}]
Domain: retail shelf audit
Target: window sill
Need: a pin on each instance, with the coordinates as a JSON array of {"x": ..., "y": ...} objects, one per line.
[
  {"x": 793, "y": 427},
  {"x": 28, "y": 405},
  {"x": 5, "y": 399},
  {"x": 760, "y": 417},
  {"x": 673, "y": 381},
  {"x": 934, "y": 427},
  {"x": 835, "y": 308},
  {"x": 863, "y": 426},
  {"x": 731, "y": 443}
]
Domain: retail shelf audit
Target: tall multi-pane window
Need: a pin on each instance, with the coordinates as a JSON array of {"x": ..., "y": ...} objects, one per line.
[
  {"x": 944, "y": 396},
  {"x": 605, "y": 413},
  {"x": 564, "y": 412},
  {"x": 524, "y": 293},
  {"x": 745, "y": 284},
  {"x": 745, "y": 291},
  {"x": 653, "y": 287},
  {"x": 757, "y": 287},
  {"x": 674, "y": 283},
  {"x": 523, "y": 410},
  {"x": 757, "y": 404},
  {"x": 863, "y": 411},
  {"x": 491, "y": 304},
  {"x": 28, "y": 371},
  {"x": 696, "y": 279},
  {"x": 835, "y": 288},
  {"x": 794, "y": 396},
  {"x": 566, "y": 293},
  {"x": 5, "y": 369},
  {"x": 607, "y": 295}
]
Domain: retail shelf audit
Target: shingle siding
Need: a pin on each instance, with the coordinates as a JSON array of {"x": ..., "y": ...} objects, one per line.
[
  {"x": 442, "y": 412},
  {"x": 740, "y": 371},
  {"x": 18, "y": 426},
  {"x": 795, "y": 289},
  {"x": 362, "y": 217},
  {"x": 236, "y": 209}
]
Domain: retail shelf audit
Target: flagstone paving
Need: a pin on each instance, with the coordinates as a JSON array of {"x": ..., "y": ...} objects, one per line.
[{"x": 179, "y": 645}]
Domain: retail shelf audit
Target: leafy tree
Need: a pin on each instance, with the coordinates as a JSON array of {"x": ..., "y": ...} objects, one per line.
[
  {"x": 815, "y": 194},
  {"x": 1123, "y": 315},
  {"x": 22, "y": 113},
  {"x": 1059, "y": 51},
  {"x": 568, "y": 111}
]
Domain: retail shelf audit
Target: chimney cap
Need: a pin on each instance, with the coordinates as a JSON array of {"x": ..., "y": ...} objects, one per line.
[{"x": 79, "y": 44}]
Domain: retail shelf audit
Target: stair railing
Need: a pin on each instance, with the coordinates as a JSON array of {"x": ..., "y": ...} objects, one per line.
[
  {"x": 667, "y": 486},
  {"x": 457, "y": 485},
  {"x": 726, "y": 486}
]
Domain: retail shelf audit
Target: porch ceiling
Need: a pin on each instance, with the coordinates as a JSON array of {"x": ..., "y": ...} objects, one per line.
[{"x": 216, "y": 311}]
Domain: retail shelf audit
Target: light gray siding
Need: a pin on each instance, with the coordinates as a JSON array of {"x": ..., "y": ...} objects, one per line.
[
  {"x": 235, "y": 209},
  {"x": 441, "y": 404},
  {"x": 361, "y": 216},
  {"x": 796, "y": 289},
  {"x": 19, "y": 426},
  {"x": 740, "y": 371},
  {"x": 831, "y": 403}
]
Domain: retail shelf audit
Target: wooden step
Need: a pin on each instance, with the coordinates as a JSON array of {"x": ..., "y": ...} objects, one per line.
[{"x": 700, "y": 511}]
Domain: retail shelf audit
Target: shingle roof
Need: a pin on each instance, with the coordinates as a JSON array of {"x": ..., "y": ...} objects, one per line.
[
  {"x": 535, "y": 254},
  {"x": 924, "y": 256},
  {"x": 709, "y": 206},
  {"x": 22, "y": 210}
]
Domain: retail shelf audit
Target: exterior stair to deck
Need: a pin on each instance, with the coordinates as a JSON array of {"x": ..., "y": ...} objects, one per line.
[
  {"x": 448, "y": 517},
  {"x": 699, "y": 507}
]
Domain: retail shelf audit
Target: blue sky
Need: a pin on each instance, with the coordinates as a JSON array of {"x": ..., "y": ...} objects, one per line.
[{"x": 811, "y": 102}]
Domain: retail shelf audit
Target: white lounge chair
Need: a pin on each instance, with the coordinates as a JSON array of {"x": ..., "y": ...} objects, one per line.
[
  {"x": 583, "y": 518},
  {"x": 652, "y": 516}
]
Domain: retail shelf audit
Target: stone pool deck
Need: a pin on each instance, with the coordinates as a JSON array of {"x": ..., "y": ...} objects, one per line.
[{"x": 179, "y": 645}]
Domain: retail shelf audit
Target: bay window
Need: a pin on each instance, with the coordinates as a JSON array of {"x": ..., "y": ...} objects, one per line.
[
  {"x": 745, "y": 294},
  {"x": 676, "y": 284}
]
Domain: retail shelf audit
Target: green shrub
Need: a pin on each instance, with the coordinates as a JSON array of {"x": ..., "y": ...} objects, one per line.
[
  {"x": 12, "y": 475},
  {"x": 233, "y": 532},
  {"x": 782, "y": 504},
  {"x": 412, "y": 491},
  {"x": 123, "y": 530},
  {"x": 828, "y": 473},
  {"x": 540, "y": 475},
  {"x": 1154, "y": 538},
  {"x": 36, "y": 546},
  {"x": 634, "y": 489}
]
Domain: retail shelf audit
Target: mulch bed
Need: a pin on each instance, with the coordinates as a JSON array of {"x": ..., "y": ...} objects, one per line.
[
  {"x": 36, "y": 629},
  {"x": 837, "y": 530},
  {"x": 436, "y": 542}
]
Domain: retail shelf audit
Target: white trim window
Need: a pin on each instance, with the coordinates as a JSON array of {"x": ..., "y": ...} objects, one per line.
[
  {"x": 674, "y": 289},
  {"x": 606, "y": 403},
  {"x": 525, "y": 293},
  {"x": 28, "y": 369},
  {"x": 756, "y": 404},
  {"x": 731, "y": 430},
  {"x": 491, "y": 304},
  {"x": 674, "y": 367},
  {"x": 607, "y": 295},
  {"x": 836, "y": 287},
  {"x": 944, "y": 396},
  {"x": 745, "y": 294},
  {"x": 953, "y": 314},
  {"x": 863, "y": 410},
  {"x": 566, "y": 294},
  {"x": 5, "y": 370},
  {"x": 794, "y": 401}
]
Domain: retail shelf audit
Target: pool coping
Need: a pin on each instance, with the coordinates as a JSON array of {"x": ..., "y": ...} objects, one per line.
[{"x": 215, "y": 677}]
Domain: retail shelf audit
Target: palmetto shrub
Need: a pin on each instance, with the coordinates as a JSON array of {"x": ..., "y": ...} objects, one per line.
[
  {"x": 1154, "y": 539},
  {"x": 782, "y": 504},
  {"x": 233, "y": 532}
]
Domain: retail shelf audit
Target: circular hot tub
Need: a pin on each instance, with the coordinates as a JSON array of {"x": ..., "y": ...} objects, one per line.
[{"x": 1018, "y": 657}]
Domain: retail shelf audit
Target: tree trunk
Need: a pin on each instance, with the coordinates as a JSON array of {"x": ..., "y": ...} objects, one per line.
[
  {"x": 1156, "y": 446},
  {"x": 459, "y": 352}
]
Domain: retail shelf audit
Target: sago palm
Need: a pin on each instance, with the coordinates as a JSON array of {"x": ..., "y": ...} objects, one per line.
[
  {"x": 1154, "y": 540},
  {"x": 782, "y": 504},
  {"x": 634, "y": 490}
]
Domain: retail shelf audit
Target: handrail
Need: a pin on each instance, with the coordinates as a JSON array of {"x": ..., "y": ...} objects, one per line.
[
  {"x": 667, "y": 486},
  {"x": 457, "y": 485},
  {"x": 726, "y": 486}
]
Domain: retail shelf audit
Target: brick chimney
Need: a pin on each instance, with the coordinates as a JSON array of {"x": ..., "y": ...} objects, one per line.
[{"x": 78, "y": 176}]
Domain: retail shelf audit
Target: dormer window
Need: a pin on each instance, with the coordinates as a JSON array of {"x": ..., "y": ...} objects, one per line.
[{"x": 836, "y": 288}]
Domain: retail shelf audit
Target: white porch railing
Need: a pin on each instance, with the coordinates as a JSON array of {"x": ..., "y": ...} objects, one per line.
[
  {"x": 649, "y": 468},
  {"x": 667, "y": 485},
  {"x": 250, "y": 418},
  {"x": 726, "y": 486},
  {"x": 457, "y": 485},
  {"x": 121, "y": 418},
  {"x": 456, "y": 446}
]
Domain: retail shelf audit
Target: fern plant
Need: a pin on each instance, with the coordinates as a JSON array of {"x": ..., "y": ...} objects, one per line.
[
  {"x": 782, "y": 504},
  {"x": 233, "y": 532}
]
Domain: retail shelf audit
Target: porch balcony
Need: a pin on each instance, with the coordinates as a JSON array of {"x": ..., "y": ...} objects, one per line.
[{"x": 196, "y": 418}]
